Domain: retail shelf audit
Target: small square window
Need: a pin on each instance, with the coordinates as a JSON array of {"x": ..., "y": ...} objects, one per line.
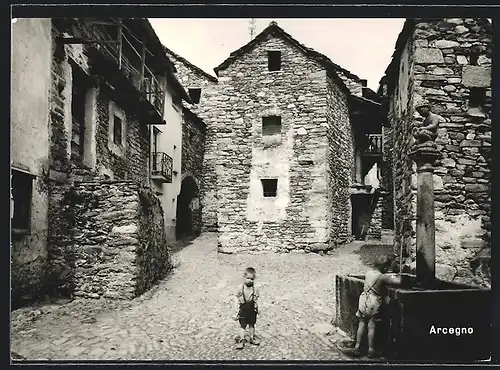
[
  {"x": 269, "y": 187},
  {"x": 22, "y": 187},
  {"x": 195, "y": 95},
  {"x": 271, "y": 125},
  {"x": 473, "y": 58},
  {"x": 117, "y": 130},
  {"x": 274, "y": 60},
  {"x": 477, "y": 97}
]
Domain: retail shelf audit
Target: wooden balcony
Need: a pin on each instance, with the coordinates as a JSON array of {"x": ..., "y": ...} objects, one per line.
[
  {"x": 161, "y": 167},
  {"x": 117, "y": 44}
]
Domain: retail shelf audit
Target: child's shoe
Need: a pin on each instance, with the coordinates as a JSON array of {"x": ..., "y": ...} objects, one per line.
[
  {"x": 240, "y": 343},
  {"x": 373, "y": 354},
  {"x": 255, "y": 341}
]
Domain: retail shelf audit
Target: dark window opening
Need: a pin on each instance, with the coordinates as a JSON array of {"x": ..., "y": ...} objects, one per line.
[
  {"x": 78, "y": 119},
  {"x": 194, "y": 95},
  {"x": 473, "y": 58},
  {"x": 156, "y": 135},
  {"x": 271, "y": 125},
  {"x": 269, "y": 187},
  {"x": 117, "y": 130},
  {"x": 274, "y": 60},
  {"x": 22, "y": 187},
  {"x": 176, "y": 102},
  {"x": 477, "y": 97}
]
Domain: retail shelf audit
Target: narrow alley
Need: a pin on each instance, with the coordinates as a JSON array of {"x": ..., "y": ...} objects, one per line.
[{"x": 187, "y": 316}]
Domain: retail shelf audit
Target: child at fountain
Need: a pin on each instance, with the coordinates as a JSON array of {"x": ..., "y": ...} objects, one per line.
[
  {"x": 246, "y": 308},
  {"x": 371, "y": 301}
]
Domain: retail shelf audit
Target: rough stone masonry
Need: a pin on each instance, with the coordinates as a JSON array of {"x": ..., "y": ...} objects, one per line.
[{"x": 446, "y": 63}]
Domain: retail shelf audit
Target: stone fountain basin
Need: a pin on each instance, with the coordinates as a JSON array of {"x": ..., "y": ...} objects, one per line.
[{"x": 414, "y": 311}]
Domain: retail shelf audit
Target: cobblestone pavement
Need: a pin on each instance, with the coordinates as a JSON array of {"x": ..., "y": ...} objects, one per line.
[{"x": 188, "y": 315}]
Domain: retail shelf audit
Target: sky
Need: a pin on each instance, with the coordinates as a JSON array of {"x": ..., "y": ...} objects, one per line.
[{"x": 362, "y": 46}]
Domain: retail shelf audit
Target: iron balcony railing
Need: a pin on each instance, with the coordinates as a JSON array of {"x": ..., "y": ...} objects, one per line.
[
  {"x": 374, "y": 144},
  {"x": 161, "y": 167}
]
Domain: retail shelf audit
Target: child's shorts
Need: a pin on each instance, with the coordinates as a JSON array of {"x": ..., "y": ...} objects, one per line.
[
  {"x": 369, "y": 307},
  {"x": 247, "y": 316}
]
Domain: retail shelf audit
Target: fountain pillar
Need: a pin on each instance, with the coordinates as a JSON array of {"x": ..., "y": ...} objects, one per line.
[{"x": 425, "y": 155}]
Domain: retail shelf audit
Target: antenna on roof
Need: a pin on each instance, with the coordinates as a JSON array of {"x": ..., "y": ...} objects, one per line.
[{"x": 251, "y": 28}]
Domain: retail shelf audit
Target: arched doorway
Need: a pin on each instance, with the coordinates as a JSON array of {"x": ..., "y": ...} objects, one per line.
[{"x": 188, "y": 212}]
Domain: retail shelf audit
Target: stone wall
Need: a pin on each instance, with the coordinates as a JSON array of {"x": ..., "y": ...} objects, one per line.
[
  {"x": 108, "y": 240},
  {"x": 298, "y": 157},
  {"x": 401, "y": 112},
  {"x": 193, "y": 145},
  {"x": 387, "y": 180},
  {"x": 375, "y": 226},
  {"x": 192, "y": 77},
  {"x": 341, "y": 164},
  {"x": 193, "y": 153},
  {"x": 29, "y": 112},
  {"x": 451, "y": 67}
]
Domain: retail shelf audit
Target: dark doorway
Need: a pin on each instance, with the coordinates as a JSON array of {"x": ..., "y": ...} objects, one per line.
[
  {"x": 363, "y": 206},
  {"x": 188, "y": 213}
]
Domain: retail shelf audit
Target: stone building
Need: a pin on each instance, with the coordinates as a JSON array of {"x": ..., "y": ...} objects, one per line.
[
  {"x": 288, "y": 125},
  {"x": 445, "y": 63},
  {"x": 85, "y": 220},
  {"x": 203, "y": 90}
]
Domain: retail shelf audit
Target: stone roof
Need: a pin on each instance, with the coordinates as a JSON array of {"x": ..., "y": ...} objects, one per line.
[
  {"x": 186, "y": 108},
  {"x": 275, "y": 30},
  {"x": 190, "y": 65},
  {"x": 403, "y": 37}
]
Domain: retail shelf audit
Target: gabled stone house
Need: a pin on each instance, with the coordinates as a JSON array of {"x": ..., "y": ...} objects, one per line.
[
  {"x": 287, "y": 124},
  {"x": 445, "y": 63}
]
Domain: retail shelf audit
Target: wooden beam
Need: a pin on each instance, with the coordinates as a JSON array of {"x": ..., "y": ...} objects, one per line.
[
  {"x": 120, "y": 43},
  {"x": 143, "y": 63},
  {"x": 79, "y": 40}
]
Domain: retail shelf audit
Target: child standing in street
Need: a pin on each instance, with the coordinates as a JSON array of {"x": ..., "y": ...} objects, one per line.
[
  {"x": 246, "y": 308},
  {"x": 371, "y": 301}
]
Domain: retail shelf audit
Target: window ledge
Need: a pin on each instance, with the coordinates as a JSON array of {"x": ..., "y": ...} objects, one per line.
[{"x": 20, "y": 232}]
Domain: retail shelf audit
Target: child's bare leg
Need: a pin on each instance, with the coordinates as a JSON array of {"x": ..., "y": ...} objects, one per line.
[
  {"x": 240, "y": 341},
  {"x": 242, "y": 333},
  {"x": 371, "y": 336},
  {"x": 251, "y": 332},
  {"x": 360, "y": 333}
]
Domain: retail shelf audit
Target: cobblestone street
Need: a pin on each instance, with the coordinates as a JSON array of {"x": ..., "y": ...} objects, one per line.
[{"x": 188, "y": 315}]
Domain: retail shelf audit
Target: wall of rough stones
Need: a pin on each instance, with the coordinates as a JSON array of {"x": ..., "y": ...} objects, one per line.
[
  {"x": 193, "y": 153},
  {"x": 375, "y": 225},
  {"x": 341, "y": 163},
  {"x": 401, "y": 112},
  {"x": 192, "y": 77},
  {"x": 29, "y": 109},
  {"x": 110, "y": 240},
  {"x": 452, "y": 61},
  {"x": 386, "y": 179},
  {"x": 297, "y": 218}
]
